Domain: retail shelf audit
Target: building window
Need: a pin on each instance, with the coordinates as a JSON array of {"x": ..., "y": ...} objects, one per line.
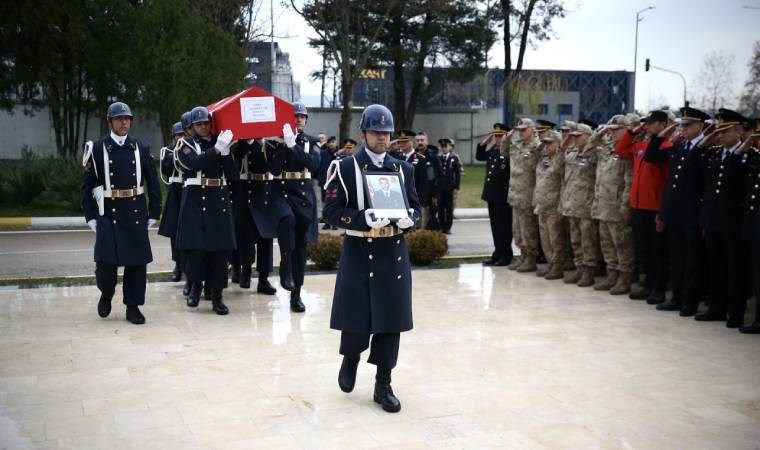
[
  {"x": 543, "y": 109},
  {"x": 564, "y": 109}
]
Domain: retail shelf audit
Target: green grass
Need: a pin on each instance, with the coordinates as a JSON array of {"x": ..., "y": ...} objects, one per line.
[{"x": 471, "y": 187}]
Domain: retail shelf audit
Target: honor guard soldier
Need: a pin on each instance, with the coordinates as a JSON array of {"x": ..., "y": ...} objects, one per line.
[
  {"x": 448, "y": 184},
  {"x": 495, "y": 194},
  {"x": 187, "y": 125},
  {"x": 522, "y": 148},
  {"x": 577, "y": 198},
  {"x": 299, "y": 158},
  {"x": 206, "y": 231},
  {"x": 612, "y": 208},
  {"x": 262, "y": 216},
  {"x": 720, "y": 217},
  {"x": 751, "y": 222},
  {"x": 647, "y": 187},
  {"x": 171, "y": 175},
  {"x": 679, "y": 210},
  {"x": 550, "y": 171},
  {"x": 118, "y": 170},
  {"x": 373, "y": 289},
  {"x": 326, "y": 156}
]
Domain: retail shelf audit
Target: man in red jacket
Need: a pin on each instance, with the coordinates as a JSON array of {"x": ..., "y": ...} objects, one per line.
[{"x": 646, "y": 193}]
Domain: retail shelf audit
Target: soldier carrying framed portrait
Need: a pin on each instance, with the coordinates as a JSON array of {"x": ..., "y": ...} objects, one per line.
[{"x": 385, "y": 194}]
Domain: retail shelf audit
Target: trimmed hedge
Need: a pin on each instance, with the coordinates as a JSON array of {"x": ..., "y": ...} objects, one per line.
[
  {"x": 426, "y": 246},
  {"x": 326, "y": 251}
]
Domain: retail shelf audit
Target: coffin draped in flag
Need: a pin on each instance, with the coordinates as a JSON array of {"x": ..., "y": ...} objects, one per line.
[{"x": 251, "y": 114}]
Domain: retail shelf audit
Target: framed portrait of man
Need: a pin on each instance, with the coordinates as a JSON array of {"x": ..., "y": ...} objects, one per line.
[{"x": 386, "y": 195}]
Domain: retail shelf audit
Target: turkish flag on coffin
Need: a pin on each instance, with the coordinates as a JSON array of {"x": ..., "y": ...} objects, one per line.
[{"x": 251, "y": 114}]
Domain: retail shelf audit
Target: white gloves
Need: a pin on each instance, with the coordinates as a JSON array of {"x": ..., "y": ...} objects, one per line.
[
  {"x": 223, "y": 142},
  {"x": 151, "y": 222},
  {"x": 378, "y": 222},
  {"x": 405, "y": 222},
  {"x": 288, "y": 135},
  {"x": 93, "y": 224}
]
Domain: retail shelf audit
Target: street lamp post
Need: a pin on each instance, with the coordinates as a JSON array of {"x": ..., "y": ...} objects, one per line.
[
  {"x": 683, "y": 79},
  {"x": 636, "y": 50}
]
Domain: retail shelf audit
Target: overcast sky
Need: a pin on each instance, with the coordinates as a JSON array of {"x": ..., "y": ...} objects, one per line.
[{"x": 599, "y": 35}]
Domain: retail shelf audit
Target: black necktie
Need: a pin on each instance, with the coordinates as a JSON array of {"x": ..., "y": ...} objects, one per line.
[{"x": 688, "y": 146}]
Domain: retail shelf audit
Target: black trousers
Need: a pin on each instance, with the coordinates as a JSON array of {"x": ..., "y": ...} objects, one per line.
[
  {"x": 133, "y": 287},
  {"x": 652, "y": 248},
  {"x": 286, "y": 233},
  {"x": 176, "y": 253},
  {"x": 754, "y": 264},
  {"x": 210, "y": 267},
  {"x": 264, "y": 257},
  {"x": 687, "y": 264},
  {"x": 727, "y": 280},
  {"x": 446, "y": 209},
  {"x": 384, "y": 351},
  {"x": 299, "y": 252},
  {"x": 500, "y": 215}
]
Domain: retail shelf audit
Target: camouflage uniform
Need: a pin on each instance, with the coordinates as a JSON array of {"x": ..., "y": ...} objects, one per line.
[
  {"x": 577, "y": 197},
  {"x": 611, "y": 207},
  {"x": 523, "y": 158},
  {"x": 550, "y": 172}
]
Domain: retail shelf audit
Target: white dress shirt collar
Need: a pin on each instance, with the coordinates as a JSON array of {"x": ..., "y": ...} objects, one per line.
[
  {"x": 377, "y": 159},
  {"x": 120, "y": 140}
]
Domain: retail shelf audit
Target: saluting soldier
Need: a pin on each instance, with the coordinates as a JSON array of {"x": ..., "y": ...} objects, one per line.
[
  {"x": 373, "y": 289},
  {"x": 347, "y": 149},
  {"x": 495, "y": 188},
  {"x": 720, "y": 217},
  {"x": 299, "y": 158},
  {"x": 523, "y": 152},
  {"x": 577, "y": 198},
  {"x": 612, "y": 209},
  {"x": 550, "y": 171},
  {"x": 206, "y": 230},
  {"x": 118, "y": 169},
  {"x": 751, "y": 222},
  {"x": 448, "y": 184},
  {"x": 172, "y": 177},
  {"x": 263, "y": 215},
  {"x": 679, "y": 209}
]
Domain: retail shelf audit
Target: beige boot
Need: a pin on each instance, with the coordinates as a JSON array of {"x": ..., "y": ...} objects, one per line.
[
  {"x": 623, "y": 285},
  {"x": 528, "y": 264},
  {"x": 515, "y": 263},
  {"x": 587, "y": 277},
  {"x": 541, "y": 272},
  {"x": 609, "y": 282},
  {"x": 574, "y": 276}
]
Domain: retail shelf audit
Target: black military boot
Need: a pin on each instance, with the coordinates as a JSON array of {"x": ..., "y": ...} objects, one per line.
[
  {"x": 384, "y": 393},
  {"x": 217, "y": 304},
  {"x": 134, "y": 315},
  {"x": 235, "y": 273},
  {"x": 656, "y": 297},
  {"x": 347, "y": 374},
  {"x": 194, "y": 296},
  {"x": 176, "y": 273},
  {"x": 245, "y": 278},
  {"x": 296, "y": 305},
  {"x": 206, "y": 292},
  {"x": 265, "y": 287},
  {"x": 104, "y": 304},
  {"x": 286, "y": 271},
  {"x": 186, "y": 289}
]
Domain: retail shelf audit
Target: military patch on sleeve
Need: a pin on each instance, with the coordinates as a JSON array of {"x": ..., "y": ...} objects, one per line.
[
  {"x": 331, "y": 194},
  {"x": 186, "y": 150}
]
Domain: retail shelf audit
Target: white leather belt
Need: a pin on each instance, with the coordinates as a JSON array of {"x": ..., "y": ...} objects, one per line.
[{"x": 179, "y": 180}]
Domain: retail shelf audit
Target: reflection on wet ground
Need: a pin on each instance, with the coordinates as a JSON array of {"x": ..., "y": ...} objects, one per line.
[{"x": 496, "y": 359}]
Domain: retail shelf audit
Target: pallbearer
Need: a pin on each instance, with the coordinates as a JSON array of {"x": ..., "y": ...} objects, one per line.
[{"x": 172, "y": 177}]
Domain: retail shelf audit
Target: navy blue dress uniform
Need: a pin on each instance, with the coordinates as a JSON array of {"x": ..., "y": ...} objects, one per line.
[
  {"x": 119, "y": 172},
  {"x": 679, "y": 210},
  {"x": 298, "y": 164},
  {"x": 720, "y": 217},
  {"x": 495, "y": 188},
  {"x": 262, "y": 215},
  {"x": 417, "y": 161},
  {"x": 373, "y": 288},
  {"x": 206, "y": 231},
  {"x": 751, "y": 220},
  {"x": 430, "y": 193},
  {"x": 451, "y": 173},
  {"x": 172, "y": 177}
]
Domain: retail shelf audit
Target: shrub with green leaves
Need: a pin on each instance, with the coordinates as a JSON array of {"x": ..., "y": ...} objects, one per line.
[
  {"x": 325, "y": 253},
  {"x": 426, "y": 246}
]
